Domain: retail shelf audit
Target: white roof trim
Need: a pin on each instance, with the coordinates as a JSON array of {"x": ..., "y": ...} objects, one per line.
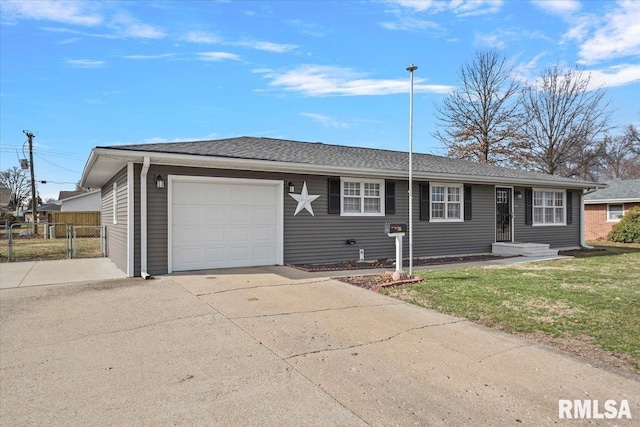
[
  {"x": 85, "y": 194},
  {"x": 115, "y": 160},
  {"x": 614, "y": 201}
]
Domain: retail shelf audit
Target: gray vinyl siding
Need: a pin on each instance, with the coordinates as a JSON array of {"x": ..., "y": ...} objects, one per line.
[
  {"x": 557, "y": 236},
  {"x": 116, "y": 233},
  {"x": 322, "y": 238},
  {"x": 453, "y": 238}
]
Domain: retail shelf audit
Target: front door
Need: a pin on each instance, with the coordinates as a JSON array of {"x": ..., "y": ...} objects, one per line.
[{"x": 503, "y": 214}]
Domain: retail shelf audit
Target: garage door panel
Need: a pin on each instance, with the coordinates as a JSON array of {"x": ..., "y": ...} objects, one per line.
[
  {"x": 239, "y": 215},
  {"x": 185, "y": 236},
  {"x": 214, "y": 214},
  {"x": 188, "y": 257},
  {"x": 239, "y": 253},
  {"x": 186, "y": 214},
  {"x": 236, "y": 234},
  {"x": 263, "y": 253},
  {"x": 261, "y": 234},
  {"x": 264, "y": 215},
  {"x": 224, "y": 223},
  {"x": 215, "y": 194},
  {"x": 215, "y": 235},
  {"x": 214, "y": 255}
]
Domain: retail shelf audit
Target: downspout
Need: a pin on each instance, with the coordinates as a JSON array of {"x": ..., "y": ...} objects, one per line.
[
  {"x": 583, "y": 242},
  {"x": 143, "y": 218}
]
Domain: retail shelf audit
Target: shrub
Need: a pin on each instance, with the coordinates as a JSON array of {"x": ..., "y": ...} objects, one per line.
[{"x": 628, "y": 229}]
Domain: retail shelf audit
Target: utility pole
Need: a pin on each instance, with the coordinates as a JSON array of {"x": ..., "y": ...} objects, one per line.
[{"x": 34, "y": 202}]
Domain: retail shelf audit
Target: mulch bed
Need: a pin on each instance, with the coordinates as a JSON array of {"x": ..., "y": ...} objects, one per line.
[
  {"x": 417, "y": 262},
  {"x": 572, "y": 252}
]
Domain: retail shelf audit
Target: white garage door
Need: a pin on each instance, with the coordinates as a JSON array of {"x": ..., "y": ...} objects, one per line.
[{"x": 217, "y": 223}]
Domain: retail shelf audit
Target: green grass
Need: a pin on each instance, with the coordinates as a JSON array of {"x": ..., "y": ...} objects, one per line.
[
  {"x": 38, "y": 248},
  {"x": 590, "y": 302}
]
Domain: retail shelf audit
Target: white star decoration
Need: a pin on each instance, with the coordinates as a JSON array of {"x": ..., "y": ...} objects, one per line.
[{"x": 304, "y": 200}]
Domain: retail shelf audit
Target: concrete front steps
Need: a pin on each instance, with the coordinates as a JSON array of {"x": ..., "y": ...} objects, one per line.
[{"x": 522, "y": 249}]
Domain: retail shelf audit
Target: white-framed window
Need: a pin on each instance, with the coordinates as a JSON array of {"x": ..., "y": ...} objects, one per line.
[
  {"x": 446, "y": 202},
  {"x": 549, "y": 207},
  {"x": 614, "y": 212},
  {"x": 114, "y": 196},
  {"x": 362, "y": 197}
]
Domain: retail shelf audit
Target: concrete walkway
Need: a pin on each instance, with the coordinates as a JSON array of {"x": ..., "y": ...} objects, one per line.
[
  {"x": 271, "y": 346},
  {"x": 37, "y": 273}
]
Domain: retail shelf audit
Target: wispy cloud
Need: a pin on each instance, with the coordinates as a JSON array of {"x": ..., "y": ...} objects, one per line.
[
  {"x": 217, "y": 56},
  {"x": 617, "y": 36},
  {"x": 201, "y": 37},
  {"x": 410, "y": 14},
  {"x": 558, "y": 7},
  {"x": 66, "y": 12},
  {"x": 325, "y": 121},
  {"x": 158, "y": 56},
  {"x": 410, "y": 23},
  {"x": 129, "y": 27},
  {"x": 458, "y": 7},
  {"x": 526, "y": 71},
  {"x": 618, "y": 75},
  {"x": 499, "y": 38},
  {"x": 322, "y": 80},
  {"x": 103, "y": 18},
  {"x": 206, "y": 37},
  {"x": 307, "y": 28},
  {"x": 266, "y": 46},
  {"x": 85, "y": 63}
]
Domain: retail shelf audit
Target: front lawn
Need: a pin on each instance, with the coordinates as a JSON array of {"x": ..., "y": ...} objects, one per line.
[{"x": 589, "y": 305}]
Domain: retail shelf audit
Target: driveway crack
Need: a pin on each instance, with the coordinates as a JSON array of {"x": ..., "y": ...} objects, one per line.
[
  {"x": 316, "y": 311},
  {"x": 389, "y": 338},
  {"x": 121, "y": 330},
  {"x": 503, "y": 351},
  {"x": 263, "y": 286}
]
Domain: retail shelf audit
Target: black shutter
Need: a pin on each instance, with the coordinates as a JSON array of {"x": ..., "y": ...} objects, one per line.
[
  {"x": 569, "y": 207},
  {"x": 334, "y": 196},
  {"x": 424, "y": 202},
  {"x": 528, "y": 206},
  {"x": 390, "y": 197},
  {"x": 467, "y": 203}
]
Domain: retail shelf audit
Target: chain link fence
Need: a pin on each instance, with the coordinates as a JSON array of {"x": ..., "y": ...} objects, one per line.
[{"x": 52, "y": 241}]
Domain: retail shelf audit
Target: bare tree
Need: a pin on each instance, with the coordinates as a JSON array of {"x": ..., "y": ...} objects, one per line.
[
  {"x": 81, "y": 188},
  {"x": 622, "y": 155},
  {"x": 476, "y": 121},
  {"x": 564, "y": 123},
  {"x": 16, "y": 180}
]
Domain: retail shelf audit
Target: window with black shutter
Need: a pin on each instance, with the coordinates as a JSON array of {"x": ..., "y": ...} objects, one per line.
[
  {"x": 467, "y": 203},
  {"x": 334, "y": 196},
  {"x": 424, "y": 201},
  {"x": 390, "y": 197}
]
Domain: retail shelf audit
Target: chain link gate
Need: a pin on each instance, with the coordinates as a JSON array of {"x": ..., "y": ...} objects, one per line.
[{"x": 53, "y": 241}]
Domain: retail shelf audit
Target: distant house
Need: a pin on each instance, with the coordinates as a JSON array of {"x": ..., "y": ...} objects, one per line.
[
  {"x": 604, "y": 208},
  {"x": 43, "y": 212},
  {"x": 88, "y": 201},
  {"x": 65, "y": 194}
]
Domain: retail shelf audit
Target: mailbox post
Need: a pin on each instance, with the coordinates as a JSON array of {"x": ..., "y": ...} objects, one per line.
[{"x": 397, "y": 230}]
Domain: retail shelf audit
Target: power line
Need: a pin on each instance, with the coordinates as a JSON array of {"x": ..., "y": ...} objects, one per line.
[{"x": 53, "y": 164}]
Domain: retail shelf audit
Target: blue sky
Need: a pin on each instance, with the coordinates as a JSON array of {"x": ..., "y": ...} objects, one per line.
[{"x": 82, "y": 74}]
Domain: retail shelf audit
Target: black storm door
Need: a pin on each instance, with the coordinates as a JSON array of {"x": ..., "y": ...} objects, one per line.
[{"x": 503, "y": 214}]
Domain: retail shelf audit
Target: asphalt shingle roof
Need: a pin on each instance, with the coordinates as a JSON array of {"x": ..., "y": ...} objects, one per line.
[
  {"x": 320, "y": 154},
  {"x": 623, "y": 189}
]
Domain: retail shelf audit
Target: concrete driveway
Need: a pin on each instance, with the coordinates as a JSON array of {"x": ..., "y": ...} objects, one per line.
[{"x": 273, "y": 347}]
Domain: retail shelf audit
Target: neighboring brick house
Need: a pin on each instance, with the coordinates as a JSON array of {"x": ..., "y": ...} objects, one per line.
[{"x": 603, "y": 208}]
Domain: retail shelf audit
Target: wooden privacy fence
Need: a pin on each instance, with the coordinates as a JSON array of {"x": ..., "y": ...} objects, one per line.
[{"x": 75, "y": 218}]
